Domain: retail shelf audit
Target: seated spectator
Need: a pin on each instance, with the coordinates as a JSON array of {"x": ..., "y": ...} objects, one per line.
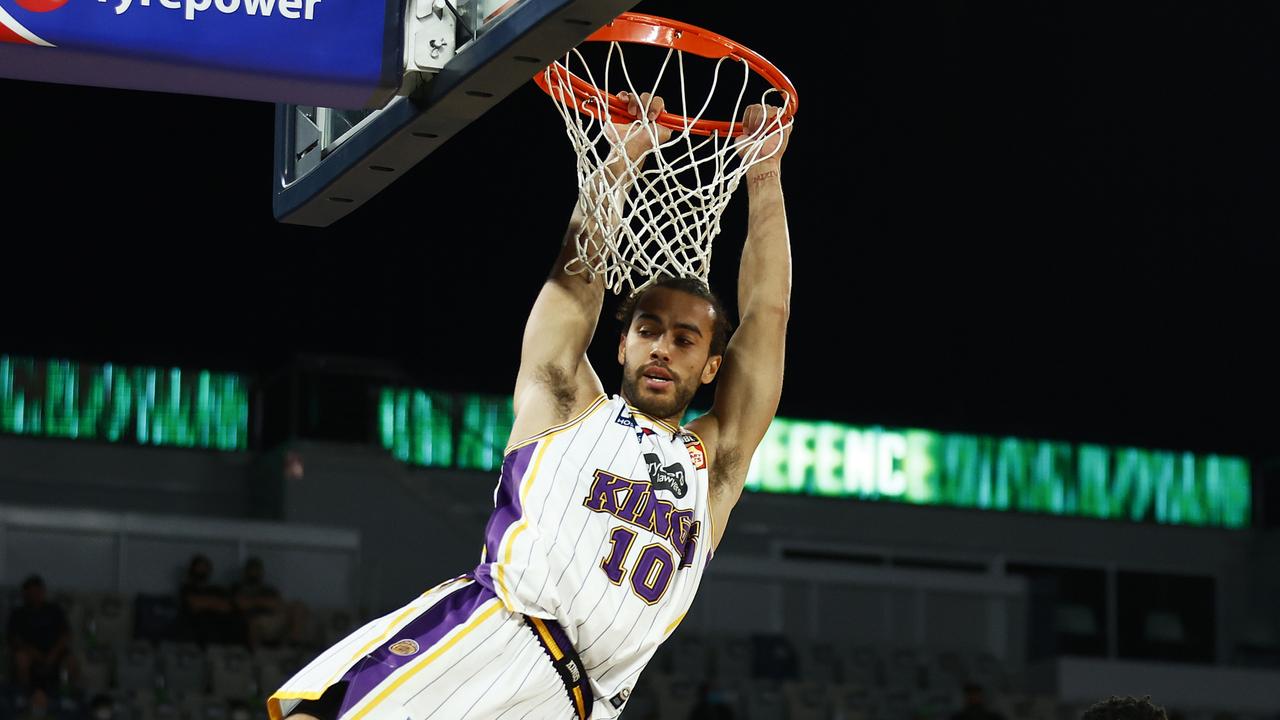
[
  {"x": 975, "y": 705},
  {"x": 40, "y": 639},
  {"x": 1125, "y": 708},
  {"x": 269, "y": 619},
  {"x": 207, "y": 614}
]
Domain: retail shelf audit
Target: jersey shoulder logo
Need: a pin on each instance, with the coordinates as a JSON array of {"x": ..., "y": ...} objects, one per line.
[
  {"x": 697, "y": 453},
  {"x": 697, "y": 456},
  {"x": 624, "y": 418}
]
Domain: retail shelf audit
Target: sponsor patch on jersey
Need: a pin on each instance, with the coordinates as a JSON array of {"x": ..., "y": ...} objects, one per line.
[
  {"x": 624, "y": 418},
  {"x": 404, "y": 648},
  {"x": 670, "y": 478},
  {"x": 697, "y": 455}
]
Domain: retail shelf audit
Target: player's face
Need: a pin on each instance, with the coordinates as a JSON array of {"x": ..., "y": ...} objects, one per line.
[{"x": 666, "y": 353}]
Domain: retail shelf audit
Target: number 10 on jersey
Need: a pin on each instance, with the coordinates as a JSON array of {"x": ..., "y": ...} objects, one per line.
[{"x": 652, "y": 571}]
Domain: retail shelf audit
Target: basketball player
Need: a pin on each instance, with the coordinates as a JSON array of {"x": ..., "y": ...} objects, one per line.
[{"x": 606, "y": 512}]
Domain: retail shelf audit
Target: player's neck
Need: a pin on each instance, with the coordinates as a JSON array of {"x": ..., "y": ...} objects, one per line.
[{"x": 673, "y": 422}]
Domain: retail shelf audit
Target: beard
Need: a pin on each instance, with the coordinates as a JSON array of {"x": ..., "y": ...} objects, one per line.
[{"x": 666, "y": 405}]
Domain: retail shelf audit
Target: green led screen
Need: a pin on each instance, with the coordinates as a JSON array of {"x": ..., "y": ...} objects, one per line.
[
  {"x": 928, "y": 468},
  {"x": 486, "y": 427},
  {"x": 113, "y": 403},
  {"x": 417, "y": 426},
  {"x": 918, "y": 467}
]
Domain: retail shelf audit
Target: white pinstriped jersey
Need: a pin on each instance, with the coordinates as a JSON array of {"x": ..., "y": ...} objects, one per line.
[{"x": 602, "y": 524}]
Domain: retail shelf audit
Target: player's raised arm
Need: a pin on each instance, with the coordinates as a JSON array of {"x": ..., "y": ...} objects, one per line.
[
  {"x": 750, "y": 380},
  {"x": 556, "y": 381}
]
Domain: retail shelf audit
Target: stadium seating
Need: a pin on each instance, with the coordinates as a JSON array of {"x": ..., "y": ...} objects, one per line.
[{"x": 762, "y": 677}]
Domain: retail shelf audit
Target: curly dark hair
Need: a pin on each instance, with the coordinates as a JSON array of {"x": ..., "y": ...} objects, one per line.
[
  {"x": 1125, "y": 708},
  {"x": 692, "y": 286}
]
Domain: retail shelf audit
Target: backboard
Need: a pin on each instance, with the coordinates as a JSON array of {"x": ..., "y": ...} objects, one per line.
[{"x": 461, "y": 57}]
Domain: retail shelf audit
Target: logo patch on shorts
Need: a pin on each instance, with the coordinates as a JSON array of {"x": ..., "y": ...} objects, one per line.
[
  {"x": 404, "y": 648},
  {"x": 618, "y": 700}
]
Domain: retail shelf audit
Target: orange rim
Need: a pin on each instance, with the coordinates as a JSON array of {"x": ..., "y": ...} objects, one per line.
[{"x": 660, "y": 32}]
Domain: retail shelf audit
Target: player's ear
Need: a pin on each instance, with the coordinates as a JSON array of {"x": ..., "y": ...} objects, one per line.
[
  {"x": 622, "y": 349},
  {"x": 711, "y": 368}
]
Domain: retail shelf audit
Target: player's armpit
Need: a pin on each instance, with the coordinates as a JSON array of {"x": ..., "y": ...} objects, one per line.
[{"x": 727, "y": 465}]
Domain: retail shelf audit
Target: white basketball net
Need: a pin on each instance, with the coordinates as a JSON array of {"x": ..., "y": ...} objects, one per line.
[{"x": 663, "y": 223}]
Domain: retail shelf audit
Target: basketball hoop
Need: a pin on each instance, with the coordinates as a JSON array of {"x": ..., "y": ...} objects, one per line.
[{"x": 663, "y": 219}]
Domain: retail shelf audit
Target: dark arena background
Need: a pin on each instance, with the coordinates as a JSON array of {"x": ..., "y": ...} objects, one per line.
[{"x": 1027, "y": 439}]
